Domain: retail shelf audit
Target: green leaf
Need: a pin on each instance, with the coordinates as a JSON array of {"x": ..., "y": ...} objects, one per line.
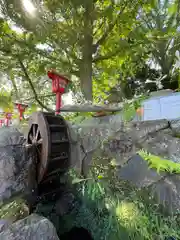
[
  {"x": 79, "y": 180},
  {"x": 172, "y": 8}
]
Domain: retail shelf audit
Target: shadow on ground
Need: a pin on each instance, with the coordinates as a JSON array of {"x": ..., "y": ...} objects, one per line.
[{"x": 112, "y": 212}]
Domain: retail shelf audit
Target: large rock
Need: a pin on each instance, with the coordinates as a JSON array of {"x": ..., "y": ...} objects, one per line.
[
  {"x": 115, "y": 139},
  {"x": 137, "y": 172},
  {"x": 15, "y": 164},
  {"x": 167, "y": 193},
  {"x": 33, "y": 227},
  {"x": 175, "y": 126},
  {"x": 163, "y": 145}
]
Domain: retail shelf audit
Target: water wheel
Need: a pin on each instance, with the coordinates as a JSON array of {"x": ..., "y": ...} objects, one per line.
[{"x": 50, "y": 136}]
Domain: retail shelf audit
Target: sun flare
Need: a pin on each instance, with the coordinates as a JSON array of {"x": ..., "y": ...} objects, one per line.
[{"x": 29, "y": 7}]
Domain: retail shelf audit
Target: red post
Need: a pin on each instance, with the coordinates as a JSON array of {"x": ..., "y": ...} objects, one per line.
[
  {"x": 59, "y": 84},
  {"x": 6, "y": 122},
  {"x": 1, "y": 122},
  {"x": 7, "y": 119},
  {"x": 21, "y": 109},
  {"x": 58, "y": 102}
]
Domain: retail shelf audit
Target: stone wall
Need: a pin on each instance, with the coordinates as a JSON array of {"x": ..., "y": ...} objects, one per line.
[
  {"x": 109, "y": 137},
  {"x": 106, "y": 137}
]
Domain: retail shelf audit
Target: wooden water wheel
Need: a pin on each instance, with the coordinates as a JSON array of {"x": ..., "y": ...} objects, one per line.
[{"x": 50, "y": 136}]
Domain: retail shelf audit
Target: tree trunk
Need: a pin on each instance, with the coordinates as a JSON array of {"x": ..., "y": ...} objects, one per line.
[{"x": 87, "y": 50}]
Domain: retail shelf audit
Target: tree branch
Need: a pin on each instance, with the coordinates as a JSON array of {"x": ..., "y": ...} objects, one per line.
[
  {"x": 115, "y": 52},
  {"x": 31, "y": 85},
  {"x": 40, "y": 96},
  {"x": 108, "y": 31},
  {"x": 110, "y": 55},
  {"x": 45, "y": 54}
]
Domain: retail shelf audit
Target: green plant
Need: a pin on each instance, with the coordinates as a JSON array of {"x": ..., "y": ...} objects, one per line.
[
  {"x": 112, "y": 209},
  {"x": 14, "y": 210},
  {"x": 160, "y": 164}
]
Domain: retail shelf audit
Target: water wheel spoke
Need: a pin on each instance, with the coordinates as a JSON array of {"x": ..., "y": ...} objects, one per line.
[
  {"x": 34, "y": 130},
  {"x": 31, "y": 137},
  {"x": 40, "y": 141},
  {"x": 37, "y": 133}
]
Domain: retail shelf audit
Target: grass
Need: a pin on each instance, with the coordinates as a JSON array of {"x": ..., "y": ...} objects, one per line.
[
  {"x": 110, "y": 209},
  {"x": 114, "y": 210}
]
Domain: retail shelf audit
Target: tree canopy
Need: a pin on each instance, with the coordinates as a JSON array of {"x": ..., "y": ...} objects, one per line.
[{"x": 97, "y": 44}]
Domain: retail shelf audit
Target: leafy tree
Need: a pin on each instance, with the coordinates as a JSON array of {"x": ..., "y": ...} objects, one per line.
[
  {"x": 72, "y": 36},
  {"x": 159, "y": 34}
]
